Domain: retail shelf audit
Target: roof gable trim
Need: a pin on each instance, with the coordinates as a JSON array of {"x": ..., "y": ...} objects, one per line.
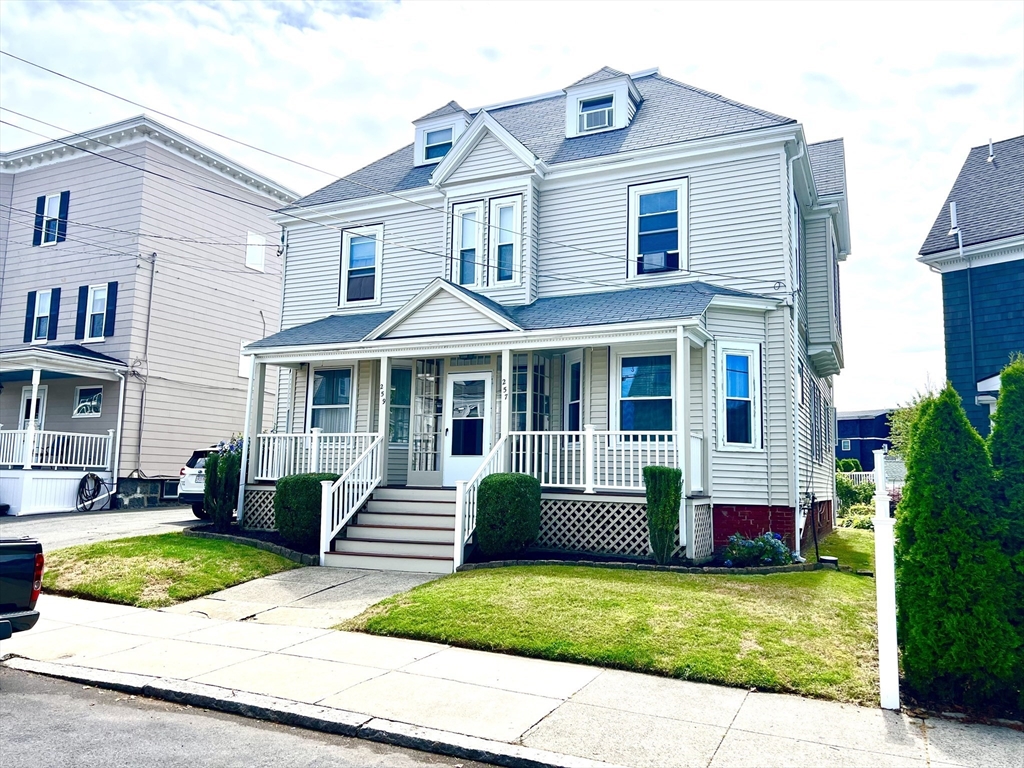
[
  {"x": 482, "y": 124},
  {"x": 438, "y": 286}
]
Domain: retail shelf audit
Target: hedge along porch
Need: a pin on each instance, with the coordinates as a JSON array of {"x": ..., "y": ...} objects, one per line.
[{"x": 408, "y": 416}]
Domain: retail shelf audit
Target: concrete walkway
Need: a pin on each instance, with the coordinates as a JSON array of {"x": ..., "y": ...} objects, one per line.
[{"x": 505, "y": 709}]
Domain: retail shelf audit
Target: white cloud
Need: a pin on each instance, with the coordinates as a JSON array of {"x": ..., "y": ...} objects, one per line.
[{"x": 910, "y": 87}]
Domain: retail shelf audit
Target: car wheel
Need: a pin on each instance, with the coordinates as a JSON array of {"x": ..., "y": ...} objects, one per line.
[{"x": 198, "y": 511}]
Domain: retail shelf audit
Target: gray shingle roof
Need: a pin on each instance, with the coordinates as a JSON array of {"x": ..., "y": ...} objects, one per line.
[
  {"x": 989, "y": 198},
  {"x": 629, "y": 306},
  {"x": 451, "y": 108},
  {"x": 671, "y": 113},
  {"x": 828, "y": 166},
  {"x": 604, "y": 73},
  {"x": 69, "y": 350}
]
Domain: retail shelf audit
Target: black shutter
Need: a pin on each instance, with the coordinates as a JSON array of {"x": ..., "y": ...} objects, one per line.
[
  {"x": 62, "y": 217},
  {"x": 30, "y": 316},
  {"x": 51, "y": 332},
  {"x": 108, "y": 325},
  {"x": 37, "y": 233},
  {"x": 83, "y": 311}
]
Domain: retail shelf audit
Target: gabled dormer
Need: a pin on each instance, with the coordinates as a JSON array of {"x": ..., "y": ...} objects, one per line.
[
  {"x": 437, "y": 131},
  {"x": 603, "y": 101}
]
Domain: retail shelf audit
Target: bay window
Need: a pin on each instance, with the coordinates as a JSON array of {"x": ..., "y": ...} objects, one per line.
[
  {"x": 739, "y": 395},
  {"x": 658, "y": 225},
  {"x": 504, "y": 240},
  {"x": 467, "y": 246},
  {"x": 361, "y": 251},
  {"x": 332, "y": 400}
]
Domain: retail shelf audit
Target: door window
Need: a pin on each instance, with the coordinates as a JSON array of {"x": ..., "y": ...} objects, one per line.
[{"x": 468, "y": 408}]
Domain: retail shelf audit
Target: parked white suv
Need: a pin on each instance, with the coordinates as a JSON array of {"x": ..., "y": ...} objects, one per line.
[{"x": 192, "y": 485}]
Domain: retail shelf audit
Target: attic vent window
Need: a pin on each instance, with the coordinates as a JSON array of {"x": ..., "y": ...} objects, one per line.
[
  {"x": 596, "y": 114},
  {"x": 437, "y": 144}
]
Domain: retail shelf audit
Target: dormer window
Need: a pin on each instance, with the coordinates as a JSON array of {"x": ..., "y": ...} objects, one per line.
[
  {"x": 597, "y": 114},
  {"x": 437, "y": 144}
]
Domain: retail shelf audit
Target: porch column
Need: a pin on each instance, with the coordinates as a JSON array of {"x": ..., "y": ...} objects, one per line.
[
  {"x": 383, "y": 416},
  {"x": 706, "y": 363},
  {"x": 681, "y": 401},
  {"x": 30, "y": 428},
  {"x": 253, "y": 423},
  {"x": 506, "y": 405}
]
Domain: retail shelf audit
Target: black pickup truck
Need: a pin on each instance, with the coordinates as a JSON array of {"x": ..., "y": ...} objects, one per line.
[{"x": 21, "y": 577}]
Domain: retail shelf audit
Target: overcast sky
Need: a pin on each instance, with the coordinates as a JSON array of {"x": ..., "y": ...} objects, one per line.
[{"x": 909, "y": 86}]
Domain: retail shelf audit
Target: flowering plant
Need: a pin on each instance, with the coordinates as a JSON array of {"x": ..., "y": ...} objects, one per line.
[
  {"x": 234, "y": 445},
  {"x": 766, "y": 549}
]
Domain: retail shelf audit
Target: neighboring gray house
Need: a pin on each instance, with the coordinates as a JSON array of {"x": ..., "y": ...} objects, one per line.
[
  {"x": 629, "y": 271},
  {"x": 134, "y": 264}
]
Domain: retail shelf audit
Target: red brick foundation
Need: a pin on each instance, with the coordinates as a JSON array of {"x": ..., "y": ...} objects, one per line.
[
  {"x": 753, "y": 520},
  {"x": 822, "y": 512}
]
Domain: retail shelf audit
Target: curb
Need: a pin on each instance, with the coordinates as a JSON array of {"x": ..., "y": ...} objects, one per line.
[
  {"x": 310, "y": 716},
  {"x": 266, "y": 546}
]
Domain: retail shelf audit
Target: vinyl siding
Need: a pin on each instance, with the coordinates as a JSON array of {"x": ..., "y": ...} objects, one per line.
[
  {"x": 819, "y": 313},
  {"x": 444, "y": 311},
  {"x": 60, "y": 405},
  {"x": 6, "y": 192},
  {"x": 815, "y": 477},
  {"x": 695, "y": 392},
  {"x": 595, "y": 366},
  {"x": 489, "y": 159}
]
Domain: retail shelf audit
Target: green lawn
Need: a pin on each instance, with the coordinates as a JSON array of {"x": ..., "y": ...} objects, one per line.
[
  {"x": 155, "y": 571},
  {"x": 809, "y": 632},
  {"x": 854, "y": 548}
]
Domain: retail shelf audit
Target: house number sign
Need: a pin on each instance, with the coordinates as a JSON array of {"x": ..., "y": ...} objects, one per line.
[
  {"x": 504, "y": 389},
  {"x": 383, "y": 396}
]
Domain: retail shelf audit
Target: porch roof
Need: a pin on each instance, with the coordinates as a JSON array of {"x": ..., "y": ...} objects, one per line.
[
  {"x": 632, "y": 305},
  {"x": 67, "y": 359}
]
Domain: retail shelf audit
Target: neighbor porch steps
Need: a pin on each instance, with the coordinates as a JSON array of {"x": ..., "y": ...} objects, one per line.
[{"x": 401, "y": 529}]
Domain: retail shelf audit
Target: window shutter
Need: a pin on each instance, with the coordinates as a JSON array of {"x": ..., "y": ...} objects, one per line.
[
  {"x": 51, "y": 331},
  {"x": 37, "y": 232},
  {"x": 83, "y": 311},
  {"x": 62, "y": 216},
  {"x": 108, "y": 325},
  {"x": 30, "y": 315}
]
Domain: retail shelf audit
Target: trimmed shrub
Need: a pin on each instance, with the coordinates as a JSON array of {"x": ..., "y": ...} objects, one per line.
[
  {"x": 952, "y": 577},
  {"x": 766, "y": 549},
  {"x": 507, "y": 513},
  {"x": 297, "y": 509},
  {"x": 664, "y": 492},
  {"x": 848, "y": 465},
  {"x": 220, "y": 489}
]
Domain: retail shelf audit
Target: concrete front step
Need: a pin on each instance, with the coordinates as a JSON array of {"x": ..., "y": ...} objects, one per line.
[
  {"x": 390, "y": 547},
  {"x": 400, "y": 505},
  {"x": 378, "y": 562},
  {"x": 400, "y": 533},
  {"x": 446, "y": 522},
  {"x": 414, "y": 494}
]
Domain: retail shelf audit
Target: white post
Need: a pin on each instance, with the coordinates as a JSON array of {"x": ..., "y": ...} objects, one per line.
[
  {"x": 30, "y": 428},
  {"x": 460, "y": 524},
  {"x": 506, "y": 405},
  {"x": 885, "y": 592},
  {"x": 682, "y": 383},
  {"x": 325, "y": 519},
  {"x": 110, "y": 448},
  {"x": 314, "y": 449},
  {"x": 383, "y": 416},
  {"x": 247, "y": 470},
  {"x": 588, "y": 458}
]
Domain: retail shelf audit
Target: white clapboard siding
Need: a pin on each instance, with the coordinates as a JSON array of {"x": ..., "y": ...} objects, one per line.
[
  {"x": 778, "y": 388},
  {"x": 818, "y": 310},
  {"x": 489, "y": 158},
  {"x": 696, "y": 389},
  {"x": 596, "y": 370},
  {"x": 815, "y": 477},
  {"x": 444, "y": 311}
]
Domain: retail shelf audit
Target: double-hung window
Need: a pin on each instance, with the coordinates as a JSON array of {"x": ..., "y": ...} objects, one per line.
[
  {"x": 436, "y": 144},
  {"x": 255, "y": 251},
  {"x": 739, "y": 395},
  {"x": 597, "y": 114},
  {"x": 96, "y": 317},
  {"x": 332, "y": 400},
  {"x": 658, "y": 227},
  {"x": 51, "y": 219},
  {"x": 41, "y": 324},
  {"x": 468, "y": 241},
  {"x": 504, "y": 240},
  {"x": 361, "y": 253},
  {"x": 400, "y": 406},
  {"x": 645, "y": 393}
]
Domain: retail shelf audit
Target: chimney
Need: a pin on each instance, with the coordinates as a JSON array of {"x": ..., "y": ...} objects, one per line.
[{"x": 991, "y": 157}]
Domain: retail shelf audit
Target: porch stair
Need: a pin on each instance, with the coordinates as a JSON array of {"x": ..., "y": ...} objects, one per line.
[{"x": 401, "y": 529}]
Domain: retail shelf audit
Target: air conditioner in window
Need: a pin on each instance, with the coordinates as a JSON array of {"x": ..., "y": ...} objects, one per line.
[{"x": 599, "y": 118}]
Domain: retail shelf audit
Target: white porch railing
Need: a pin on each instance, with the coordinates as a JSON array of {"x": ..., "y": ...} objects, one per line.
[
  {"x": 297, "y": 453},
  {"x": 465, "y": 497},
  {"x": 340, "y": 500},
  {"x": 554, "y": 458},
  {"x": 697, "y": 461},
  {"x": 619, "y": 457},
  {"x": 56, "y": 450}
]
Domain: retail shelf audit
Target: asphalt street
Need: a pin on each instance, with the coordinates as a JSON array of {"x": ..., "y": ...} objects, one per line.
[
  {"x": 55, "y": 723},
  {"x": 65, "y": 529}
]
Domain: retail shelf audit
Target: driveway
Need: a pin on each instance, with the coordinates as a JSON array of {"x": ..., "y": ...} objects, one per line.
[{"x": 65, "y": 529}]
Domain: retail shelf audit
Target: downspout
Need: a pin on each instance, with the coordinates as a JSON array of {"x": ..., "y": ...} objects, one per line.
[
  {"x": 145, "y": 357},
  {"x": 120, "y": 425},
  {"x": 795, "y": 335}
]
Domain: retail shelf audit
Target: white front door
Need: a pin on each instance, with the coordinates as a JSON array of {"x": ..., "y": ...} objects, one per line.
[
  {"x": 467, "y": 427},
  {"x": 26, "y": 407}
]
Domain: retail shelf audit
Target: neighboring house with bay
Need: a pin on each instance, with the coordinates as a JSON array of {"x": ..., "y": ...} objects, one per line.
[
  {"x": 625, "y": 272},
  {"x": 135, "y": 264},
  {"x": 977, "y": 245}
]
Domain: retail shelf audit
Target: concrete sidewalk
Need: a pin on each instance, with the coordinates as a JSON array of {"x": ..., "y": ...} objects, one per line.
[{"x": 505, "y": 709}]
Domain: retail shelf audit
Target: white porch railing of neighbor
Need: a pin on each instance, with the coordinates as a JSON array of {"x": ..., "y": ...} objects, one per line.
[
  {"x": 56, "y": 450},
  {"x": 697, "y": 461},
  {"x": 466, "y": 493},
  {"x": 340, "y": 500},
  {"x": 301, "y": 452}
]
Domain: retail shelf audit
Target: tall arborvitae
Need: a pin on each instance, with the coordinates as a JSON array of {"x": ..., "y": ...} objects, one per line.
[{"x": 953, "y": 578}]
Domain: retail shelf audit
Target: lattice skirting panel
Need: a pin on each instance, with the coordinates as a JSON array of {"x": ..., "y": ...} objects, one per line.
[
  {"x": 602, "y": 526},
  {"x": 703, "y": 532},
  {"x": 259, "y": 509}
]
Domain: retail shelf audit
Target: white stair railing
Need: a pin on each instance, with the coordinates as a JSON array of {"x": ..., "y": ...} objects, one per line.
[
  {"x": 465, "y": 498},
  {"x": 340, "y": 500}
]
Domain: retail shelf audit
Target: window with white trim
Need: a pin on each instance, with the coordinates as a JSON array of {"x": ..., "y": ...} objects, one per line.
[
  {"x": 255, "y": 251},
  {"x": 88, "y": 402},
  {"x": 437, "y": 144},
  {"x": 658, "y": 227},
  {"x": 332, "y": 400},
  {"x": 361, "y": 253},
  {"x": 846, "y": 445},
  {"x": 96, "y": 313},
  {"x": 645, "y": 393},
  {"x": 41, "y": 323},
  {"x": 504, "y": 240},
  {"x": 468, "y": 244},
  {"x": 597, "y": 114},
  {"x": 739, "y": 395},
  {"x": 51, "y": 219}
]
